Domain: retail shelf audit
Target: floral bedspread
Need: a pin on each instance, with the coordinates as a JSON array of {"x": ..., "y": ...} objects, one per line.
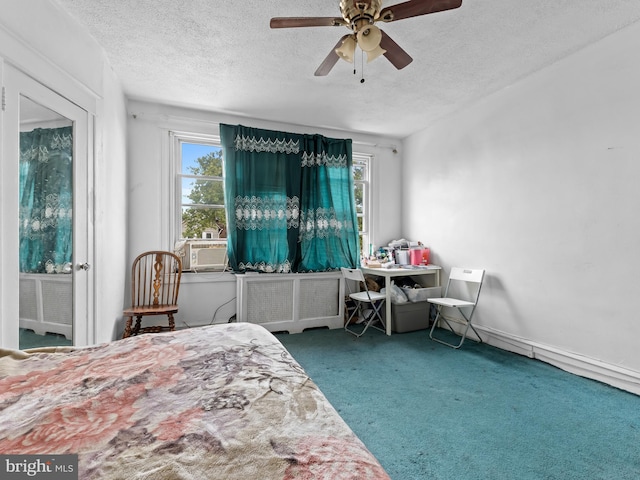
[{"x": 221, "y": 402}]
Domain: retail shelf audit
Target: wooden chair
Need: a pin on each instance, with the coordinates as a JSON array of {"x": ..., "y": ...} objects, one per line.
[{"x": 155, "y": 284}]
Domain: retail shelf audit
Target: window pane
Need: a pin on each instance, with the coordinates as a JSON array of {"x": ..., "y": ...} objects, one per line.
[
  {"x": 359, "y": 194},
  {"x": 359, "y": 172},
  {"x": 203, "y": 223},
  {"x": 200, "y": 159},
  {"x": 202, "y": 192}
]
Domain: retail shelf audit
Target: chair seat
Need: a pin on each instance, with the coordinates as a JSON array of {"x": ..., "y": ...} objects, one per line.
[
  {"x": 151, "y": 310},
  {"x": 362, "y": 296},
  {"x": 450, "y": 302}
]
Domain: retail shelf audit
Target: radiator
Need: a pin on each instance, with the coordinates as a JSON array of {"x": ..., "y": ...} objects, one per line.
[
  {"x": 290, "y": 302},
  {"x": 46, "y": 303}
]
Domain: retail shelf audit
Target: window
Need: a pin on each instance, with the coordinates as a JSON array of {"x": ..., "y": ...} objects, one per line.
[
  {"x": 199, "y": 195},
  {"x": 199, "y": 191},
  {"x": 361, "y": 180}
]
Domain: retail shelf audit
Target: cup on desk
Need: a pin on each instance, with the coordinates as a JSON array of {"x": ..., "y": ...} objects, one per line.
[{"x": 403, "y": 257}]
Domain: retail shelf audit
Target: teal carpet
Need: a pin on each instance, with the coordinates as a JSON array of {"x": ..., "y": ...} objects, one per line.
[
  {"x": 30, "y": 339},
  {"x": 430, "y": 412}
]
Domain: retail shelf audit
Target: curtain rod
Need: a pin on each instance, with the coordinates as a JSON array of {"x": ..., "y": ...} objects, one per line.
[{"x": 181, "y": 118}]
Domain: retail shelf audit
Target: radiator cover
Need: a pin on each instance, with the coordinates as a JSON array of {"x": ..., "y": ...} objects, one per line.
[
  {"x": 46, "y": 303},
  {"x": 291, "y": 302}
]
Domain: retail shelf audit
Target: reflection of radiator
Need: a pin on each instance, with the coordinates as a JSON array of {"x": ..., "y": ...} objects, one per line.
[
  {"x": 46, "y": 303},
  {"x": 290, "y": 302}
]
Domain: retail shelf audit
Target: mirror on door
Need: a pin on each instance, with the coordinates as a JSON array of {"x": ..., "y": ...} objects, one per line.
[{"x": 46, "y": 227}]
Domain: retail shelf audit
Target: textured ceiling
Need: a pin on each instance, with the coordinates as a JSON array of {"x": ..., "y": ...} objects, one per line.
[{"x": 222, "y": 56}]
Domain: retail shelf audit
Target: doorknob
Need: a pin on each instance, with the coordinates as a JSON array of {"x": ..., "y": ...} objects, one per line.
[{"x": 84, "y": 266}]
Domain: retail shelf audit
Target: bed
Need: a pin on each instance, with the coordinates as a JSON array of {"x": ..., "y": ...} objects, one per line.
[{"x": 220, "y": 402}]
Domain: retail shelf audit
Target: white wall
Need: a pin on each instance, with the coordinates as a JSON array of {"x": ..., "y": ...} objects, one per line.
[
  {"x": 43, "y": 41},
  {"x": 538, "y": 185},
  {"x": 58, "y": 42},
  {"x": 149, "y": 180},
  {"x": 110, "y": 209}
]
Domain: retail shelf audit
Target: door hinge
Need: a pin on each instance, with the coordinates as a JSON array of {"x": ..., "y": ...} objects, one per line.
[{"x": 4, "y": 99}]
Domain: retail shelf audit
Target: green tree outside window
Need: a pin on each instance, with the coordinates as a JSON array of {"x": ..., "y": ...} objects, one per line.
[{"x": 203, "y": 214}]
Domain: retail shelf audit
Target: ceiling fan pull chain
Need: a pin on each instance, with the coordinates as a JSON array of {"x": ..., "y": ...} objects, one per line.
[{"x": 362, "y": 66}]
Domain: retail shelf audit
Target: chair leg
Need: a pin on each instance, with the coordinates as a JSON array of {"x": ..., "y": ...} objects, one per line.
[
  {"x": 348, "y": 322},
  {"x": 464, "y": 334},
  {"x": 172, "y": 323},
  {"x": 127, "y": 328},
  {"x": 469, "y": 325},
  {"x": 346, "y": 326},
  {"x": 369, "y": 322},
  {"x": 136, "y": 329},
  {"x": 377, "y": 315}
]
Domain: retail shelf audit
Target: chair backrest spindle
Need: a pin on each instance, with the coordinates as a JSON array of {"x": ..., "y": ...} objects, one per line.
[{"x": 155, "y": 279}]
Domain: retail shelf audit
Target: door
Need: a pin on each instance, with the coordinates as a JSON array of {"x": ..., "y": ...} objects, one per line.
[{"x": 45, "y": 275}]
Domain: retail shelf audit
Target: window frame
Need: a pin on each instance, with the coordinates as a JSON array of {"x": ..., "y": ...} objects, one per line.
[
  {"x": 177, "y": 139},
  {"x": 365, "y": 159}
]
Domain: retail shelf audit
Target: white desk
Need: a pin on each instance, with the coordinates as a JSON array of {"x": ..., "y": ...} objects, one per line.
[{"x": 389, "y": 273}]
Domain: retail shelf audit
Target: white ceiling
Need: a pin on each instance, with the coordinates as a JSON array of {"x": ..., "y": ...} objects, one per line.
[{"x": 222, "y": 56}]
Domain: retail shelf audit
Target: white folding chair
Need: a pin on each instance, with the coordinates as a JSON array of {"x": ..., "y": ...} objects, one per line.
[
  {"x": 467, "y": 284},
  {"x": 362, "y": 299}
]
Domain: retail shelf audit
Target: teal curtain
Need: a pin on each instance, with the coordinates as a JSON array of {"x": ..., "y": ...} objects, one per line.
[
  {"x": 46, "y": 200},
  {"x": 290, "y": 201}
]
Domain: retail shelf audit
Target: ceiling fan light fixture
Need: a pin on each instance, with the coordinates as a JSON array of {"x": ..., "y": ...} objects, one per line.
[
  {"x": 359, "y": 16},
  {"x": 347, "y": 50},
  {"x": 375, "y": 53},
  {"x": 369, "y": 38}
]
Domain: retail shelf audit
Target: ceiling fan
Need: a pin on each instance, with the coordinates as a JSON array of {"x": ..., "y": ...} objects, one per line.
[{"x": 360, "y": 17}]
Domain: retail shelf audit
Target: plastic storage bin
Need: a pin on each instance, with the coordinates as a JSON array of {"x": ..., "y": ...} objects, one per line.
[
  {"x": 413, "y": 315},
  {"x": 409, "y": 317},
  {"x": 421, "y": 294}
]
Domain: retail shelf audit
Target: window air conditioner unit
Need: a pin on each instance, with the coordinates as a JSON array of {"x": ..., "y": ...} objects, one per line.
[{"x": 200, "y": 255}]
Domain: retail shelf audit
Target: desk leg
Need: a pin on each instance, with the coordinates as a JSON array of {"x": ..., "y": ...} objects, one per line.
[{"x": 387, "y": 303}]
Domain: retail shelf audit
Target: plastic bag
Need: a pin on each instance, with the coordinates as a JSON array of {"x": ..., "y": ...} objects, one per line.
[{"x": 396, "y": 293}]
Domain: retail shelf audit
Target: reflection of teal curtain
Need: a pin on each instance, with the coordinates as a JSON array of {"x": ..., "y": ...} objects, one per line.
[
  {"x": 45, "y": 199},
  {"x": 290, "y": 201}
]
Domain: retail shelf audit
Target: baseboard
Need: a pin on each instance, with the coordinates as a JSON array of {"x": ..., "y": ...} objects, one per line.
[{"x": 624, "y": 379}]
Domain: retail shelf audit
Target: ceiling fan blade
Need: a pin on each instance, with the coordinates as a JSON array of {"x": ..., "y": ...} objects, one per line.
[
  {"x": 394, "y": 52},
  {"x": 292, "y": 22},
  {"x": 415, "y": 8},
  {"x": 328, "y": 63}
]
